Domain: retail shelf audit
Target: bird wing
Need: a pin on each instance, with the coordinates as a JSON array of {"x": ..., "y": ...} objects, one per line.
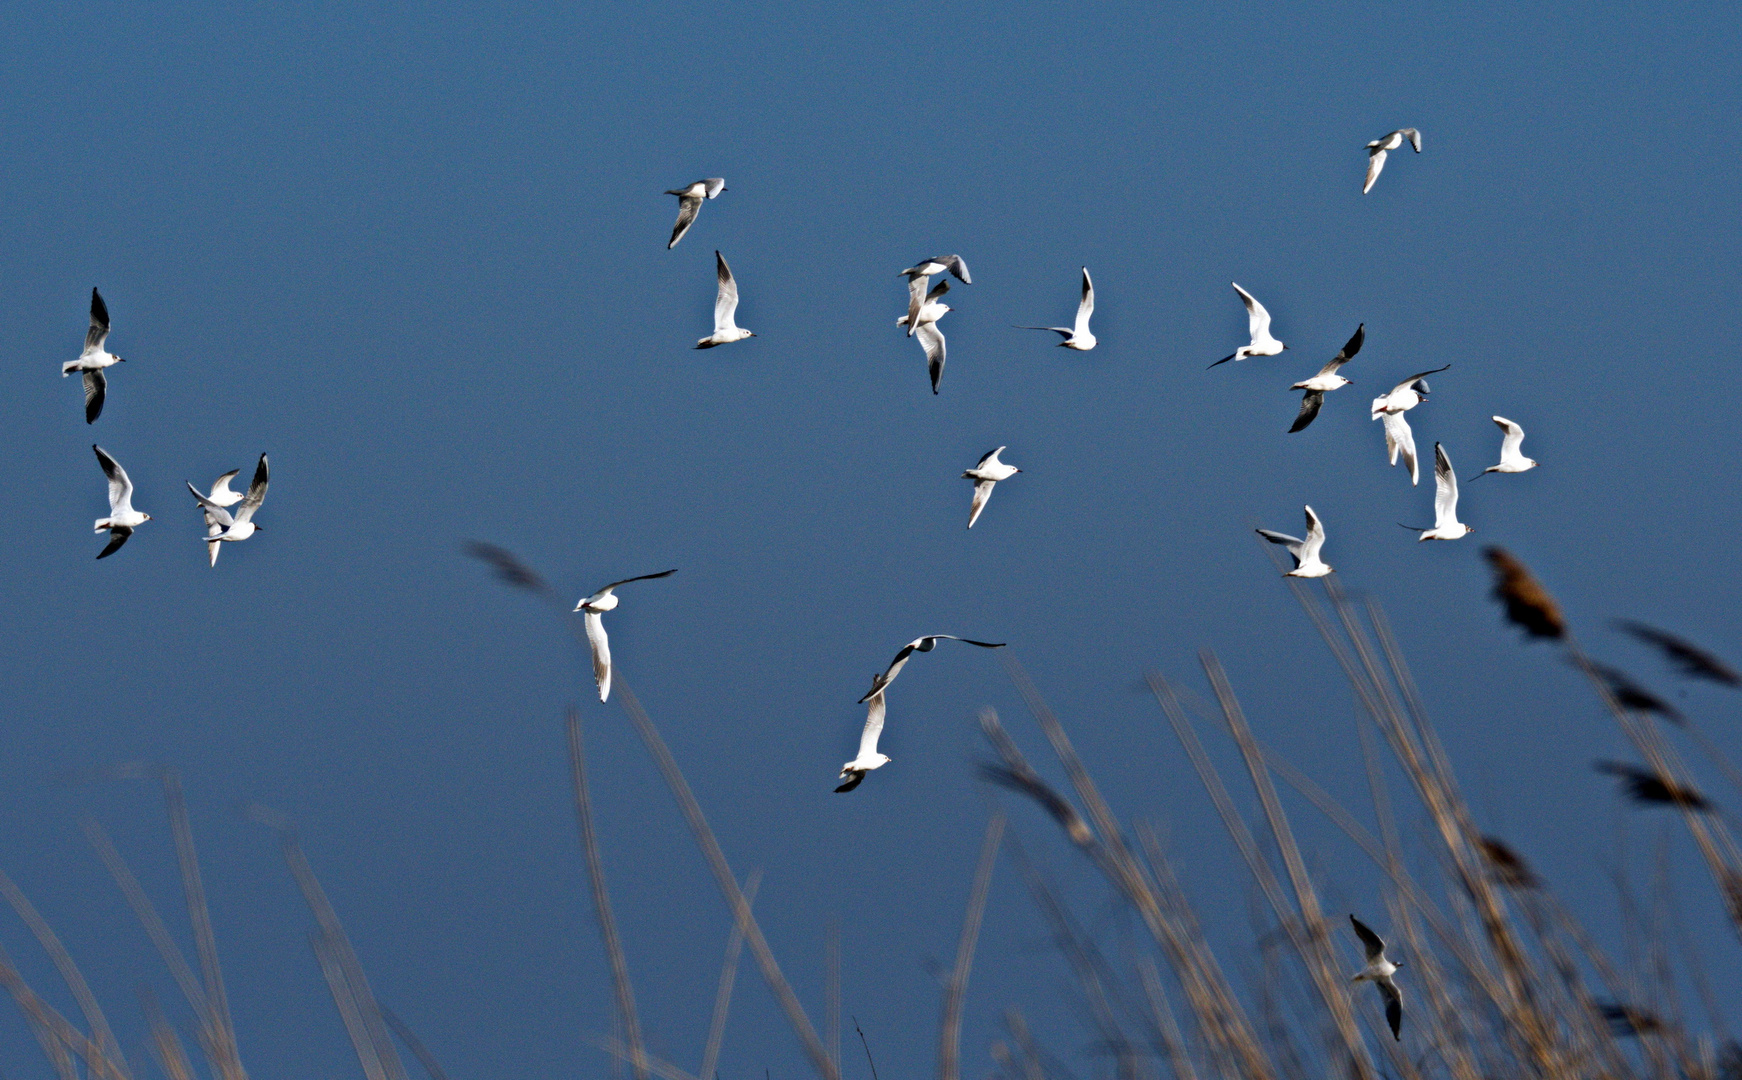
[
  {"x": 117, "y": 537},
  {"x": 99, "y": 331},
  {"x": 1413, "y": 136},
  {"x": 1375, "y": 165},
  {"x": 726, "y": 302},
  {"x": 1393, "y": 1006},
  {"x": 595, "y": 624},
  {"x": 932, "y": 340},
  {"x": 221, "y": 489},
  {"x": 988, "y": 456},
  {"x": 874, "y": 712},
  {"x": 215, "y": 514},
  {"x": 955, "y": 265},
  {"x": 1257, "y": 318},
  {"x": 916, "y": 293},
  {"x": 1062, "y": 331},
  {"x": 1399, "y": 439},
  {"x": 938, "y": 291},
  {"x": 1309, "y": 410},
  {"x": 120, "y": 487},
  {"x": 1370, "y": 941},
  {"x": 1445, "y": 489},
  {"x": 1085, "y": 306},
  {"x": 1512, "y": 442},
  {"x": 256, "y": 491},
  {"x": 715, "y": 185},
  {"x": 1315, "y": 537},
  {"x": 1347, "y": 352},
  {"x": 1418, "y": 377},
  {"x": 982, "y": 492},
  {"x": 96, "y": 390},
  {"x": 643, "y": 577},
  {"x": 1292, "y": 543},
  {"x": 688, "y": 206}
]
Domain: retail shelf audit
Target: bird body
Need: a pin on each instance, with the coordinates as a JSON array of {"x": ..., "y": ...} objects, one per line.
[
  {"x": 1326, "y": 380},
  {"x": 726, "y": 328},
  {"x": 94, "y": 359},
  {"x": 985, "y": 475},
  {"x": 122, "y": 519},
  {"x": 1379, "y": 149},
  {"x": 1379, "y": 971},
  {"x": 1512, "y": 459},
  {"x": 1076, "y": 336},
  {"x": 1446, "y": 523},
  {"x": 1258, "y": 328},
  {"x": 919, "y": 281},
  {"x": 592, "y": 608},
  {"x": 689, "y": 204},
  {"x": 1390, "y": 407},
  {"x": 931, "y": 338},
  {"x": 1307, "y": 563}
]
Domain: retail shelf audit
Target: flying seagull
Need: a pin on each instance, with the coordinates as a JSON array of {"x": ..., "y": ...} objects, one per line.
[
  {"x": 1258, "y": 326},
  {"x": 853, "y": 772},
  {"x": 94, "y": 359},
  {"x": 919, "y": 280},
  {"x": 689, "y": 204},
  {"x": 1391, "y": 406},
  {"x": 221, "y": 495},
  {"x": 594, "y": 608},
  {"x": 1690, "y": 658},
  {"x": 241, "y": 526},
  {"x": 930, "y": 337},
  {"x": 1325, "y": 381},
  {"x": 984, "y": 475},
  {"x": 1512, "y": 458},
  {"x": 880, "y": 683},
  {"x": 122, "y": 519},
  {"x": 726, "y": 330},
  {"x": 1379, "y": 971},
  {"x": 1077, "y": 336},
  {"x": 1305, "y": 552},
  {"x": 1380, "y": 147},
  {"x": 1446, "y": 523}
]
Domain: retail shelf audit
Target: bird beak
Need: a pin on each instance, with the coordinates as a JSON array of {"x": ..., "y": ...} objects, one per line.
[{"x": 120, "y": 359}]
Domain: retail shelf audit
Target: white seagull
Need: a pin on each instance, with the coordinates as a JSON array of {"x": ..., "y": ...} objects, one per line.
[
  {"x": 984, "y": 475},
  {"x": 122, "y": 519},
  {"x": 1305, "y": 552},
  {"x": 1391, "y": 406},
  {"x": 593, "y": 608},
  {"x": 880, "y": 683},
  {"x": 1325, "y": 381},
  {"x": 220, "y": 525},
  {"x": 1379, "y": 971},
  {"x": 1258, "y": 326},
  {"x": 94, "y": 359},
  {"x": 689, "y": 204},
  {"x": 919, "y": 280},
  {"x": 221, "y": 495},
  {"x": 1378, "y": 148},
  {"x": 1446, "y": 523},
  {"x": 1077, "y": 336},
  {"x": 930, "y": 337},
  {"x": 853, "y": 772},
  {"x": 1512, "y": 457},
  {"x": 726, "y": 330}
]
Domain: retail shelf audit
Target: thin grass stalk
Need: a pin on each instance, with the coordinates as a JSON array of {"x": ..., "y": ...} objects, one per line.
[
  {"x": 866, "y": 1043},
  {"x": 44, "y": 1016},
  {"x": 45, "y": 936},
  {"x": 728, "y": 885},
  {"x": 832, "y": 988},
  {"x": 165, "y": 1044},
  {"x": 656, "y": 1064},
  {"x": 1018, "y": 1028},
  {"x": 950, "y": 1028},
  {"x": 223, "y": 1030},
  {"x": 345, "y": 1001},
  {"x": 620, "y": 984},
  {"x": 404, "y": 1034},
  {"x": 1172, "y": 1043},
  {"x": 728, "y": 977}
]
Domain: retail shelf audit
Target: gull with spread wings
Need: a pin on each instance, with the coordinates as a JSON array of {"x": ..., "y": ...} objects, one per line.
[
  {"x": 931, "y": 338},
  {"x": 1306, "y": 552},
  {"x": 726, "y": 328},
  {"x": 1379, "y": 149},
  {"x": 1391, "y": 406},
  {"x": 592, "y": 610},
  {"x": 985, "y": 476},
  {"x": 919, "y": 281},
  {"x": 1076, "y": 336},
  {"x": 1512, "y": 457},
  {"x": 1326, "y": 380},
  {"x": 880, "y": 683},
  {"x": 240, "y": 526},
  {"x": 689, "y": 204},
  {"x": 94, "y": 359},
  {"x": 1257, "y": 327},
  {"x": 122, "y": 519},
  {"x": 1379, "y": 971},
  {"x": 1446, "y": 523}
]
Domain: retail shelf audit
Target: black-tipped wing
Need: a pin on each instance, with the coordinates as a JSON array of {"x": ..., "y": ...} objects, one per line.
[
  {"x": 117, "y": 537},
  {"x": 955, "y": 265},
  {"x": 1309, "y": 410},
  {"x": 1369, "y": 940},
  {"x": 853, "y": 781},
  {"x": 688, "y": 206},
  {"x": 256, "y": 490},
  {"x": 1353, "y": 345},
  {"x": 643, "y": 577},
  {"x": 1393, "y": 1006},
  {"x": 96, "y": 392},
  {"x": 99, "y": 331}
]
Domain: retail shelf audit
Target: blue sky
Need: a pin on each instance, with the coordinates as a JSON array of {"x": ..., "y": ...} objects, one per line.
[{"x": 416, "y": 252}]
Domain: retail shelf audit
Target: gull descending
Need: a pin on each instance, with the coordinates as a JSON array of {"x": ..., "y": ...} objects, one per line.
[
  {"x": 1379, "y": 971},
  {"x": 1076, "y": 336},
  {"x": 1512, "y": 457},
  {"x": 1305, "y": 552},
  {"x": 986, "y": 474},
  {"x": 1258, "y": 327},
  {"x": 593, "y": 609},
  {"x": 919, "y": 280},
  {"x": 689, "y": 204},
  {"x": 1446, "y": 523},
  {"x": 221, "y": 495},
  {"x": 1380, "y": 147},
  {"x": 1391, "y": 406},
  {"x": 880, "y": 683},
  {"x": 726, "y": 330},
  {"x": 241, "y": 526},
  {"x": 930, "y": 337},
  {"x": 94, "y": 359},
  {"x": 122, "y": 519},
  {"x": 1325, "y": 381},
  {"x": 853, "y": 772}
]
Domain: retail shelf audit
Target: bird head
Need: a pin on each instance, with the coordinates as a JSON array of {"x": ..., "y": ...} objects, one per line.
[
  {"x": 147, "y": 517},
  {"x": 120, "y": 359}
]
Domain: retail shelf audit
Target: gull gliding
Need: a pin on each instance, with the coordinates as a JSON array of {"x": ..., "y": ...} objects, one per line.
[{"x": 593, "y": 609}]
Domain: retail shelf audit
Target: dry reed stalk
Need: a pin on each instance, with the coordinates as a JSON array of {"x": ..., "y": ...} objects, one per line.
[
  {"x": 655, "y": 1064},
  {"x": 728, "y": 977},
  {"x": 620, "y": 984},
  {"x": 345, "y": 1001},
  {"x": 223, "y": 1031},
  {"x": 950, "y": 1027},
  {"x": 165, "y": 1044},
  {"x": 56, "y": 1027},
  {"x": 418, "y": 1050},
  {"x": 69, "y": 971},
  {"x": 1167, "y": 1030},
  {"x": 832, "y": 987}
]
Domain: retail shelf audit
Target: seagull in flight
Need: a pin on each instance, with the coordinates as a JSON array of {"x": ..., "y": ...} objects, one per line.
[
  {"x": 1077, "y": 336},
  {"x": 94, "y": 359},
  {"x": 984, "y": 475},
  {"x": 1446, "y": 523},
  {"x": 853, "y": 772},
  {"x": 1258, "y": 326},
  {"x": 220, "y": 524},
  {"x": 1512, "y": 457},
  {"x": 919, "y": 280},
  {"x": 122, "y": 519},
  {"x": 221, "y": 495},
  {"x": 1380, "y": 147},
  {"x": 1305, "y": 552},
  {"x": 1379, "y": 971},
  {"x": 880, "y": 683},
  {"x": 726, "y": 330},
  {"x": 689, "y": 204},
  {"x": 1325, "y": 381},
  {"x": 930, "y": 337},
  {"x": 1391, "y": 406},
  {"x": 593, "y": 608}
]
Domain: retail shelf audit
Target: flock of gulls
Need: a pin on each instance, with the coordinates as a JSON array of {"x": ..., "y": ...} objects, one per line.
[{"x": 925, "y": 309}]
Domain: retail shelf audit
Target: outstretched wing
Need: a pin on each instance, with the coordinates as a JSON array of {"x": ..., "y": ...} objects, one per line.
[
  {"x": 1513, "y": 441},
  {"x": 1309, "y": 410},
  {"x": 726, "y": 301},
  {"x": 1347, "y": 352},
  {"x": 217, "y": 517},
  {"x": 1445, "y": 489},
  {"x": 1393, "y": 1006},
  {"x": 256, "y": 491},
  {"x": 1414, "y": 138},
  {"x": 1257, "y": 318},
  {"x": 715, "y": 185},
  {"x": 99, "y": 331},
  {"x": 916, "y": 295},
  {"x": 120, "y": 487},
  {"x": 1370, "y": 941},
  {"x": 874, "y": 712},
  {"x": 932, "y": 340},
  {"x": 595, "y": 624},
  {"x": 1085, "y": 306},
  {"x": 688, "y": 206},
  {"x": 1399, "y": 439},
  {"x": 982, "y": 492},
  {"x": 96, "y": 390},
  {"x": 955, "y": 265},
  {"x": 643, "y": 577},
  {"x": 1375, "y": 165},
  {"x": 1292, "y": 543},
  {"x": 1418, "y": 377},
  {"x": 117, "y": 537},
  {"x": 1315, "y": 537}
]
